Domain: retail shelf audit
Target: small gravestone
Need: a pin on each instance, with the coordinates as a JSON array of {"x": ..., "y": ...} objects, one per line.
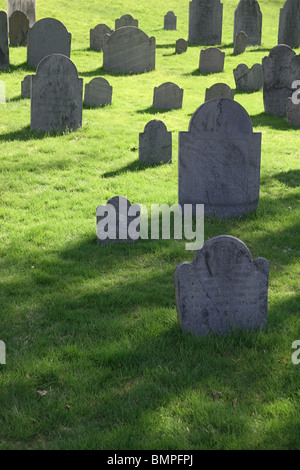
[
  {"x": 97, "y": 37},
  {"x": 248, "y": 18},
  {"x": 168, "y": 96},
  {"x": 181, "y": 46},
  {"x": 292, "y": 113},
  {"x": 280, "y": 69},
  {"x": 26, "y": 87},
  {"x": 170, "y": 21},
  {"x": 18, "y": 28},
  {"x": 2, "y": 92},
  {"x": 219, "y": 90},
  {"x": 47, "y": 36},
  {"x": 205, "y": 22},
  {"x": 240, "y": 43},
  {"x": 248, "y": 79},
  {"x": 155, "y": 144},
  {"x": 219, "y": 160},
  {"x": 4, "y": 50},
  {"x": 222, "y": 289},
  {"x": 211, "y": 60},
  {"x": 126, "y": 20},
  {"x": 98, "y": 92},
  {"x": 56, "y": 95},
  {"x": 128, "y": 49},
  {"x": 289, "y": 24},
  {"x": 118, "y": 221},
  {"x": 27, "y": 6}
]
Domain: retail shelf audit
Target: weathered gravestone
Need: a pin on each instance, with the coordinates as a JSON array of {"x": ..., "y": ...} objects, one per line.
[
  {"x": 248, "y": 79},
  {"x": 170, "y": 21},
  {"x": 219, "y": 160},
  {"x": 289, "y": 24},
  {"x": 128, "y": 49},
  {"x": 222, "y": 289},
  {"x": 292, "y": 113},
  {"x": 280, "y": 69},
  {"x": 26, "y": 86},
  {"x": 167, "y": 96},
  {"x": 240, "y": 43},
  {"x": 56, "y": 95},
  {"x": 98, "y": 92},
  {"x": 211, "y": 60},
  {"x": 2, "y": 92},
  {"x": 181, "y": 46},
  {"x": 126, "y": 20},
  {"x": 27, "y": 6},
  {"x": 47, "y": 36},
  {"x": 205, "y": 22},
  {"x": 4, "y": 49},
  {"x": 97, "y": 36},
  {"x": 219, "y": 90},
  {"x": 248, "y": 18},
  {"x": 155, "y": 143},
  {"x": 18, "y": 28},
  {"x": 118, "y": 221}
]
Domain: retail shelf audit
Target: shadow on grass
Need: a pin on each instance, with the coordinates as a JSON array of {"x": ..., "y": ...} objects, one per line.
[
  {"x": 151, "y": 110},
  {"x": 245, "y": 92},
  {"x": 24, "y": 66},
  {"x": 290, "y": 178},
  {"x": 134, "y": 166},
  {"x": 197, "y": 73},
  {"x": 101, "y": 72},
  {"x": 26, "y": 134},
  {"x": 267, "y": 120},
  {"x": 165, "y": 46}
]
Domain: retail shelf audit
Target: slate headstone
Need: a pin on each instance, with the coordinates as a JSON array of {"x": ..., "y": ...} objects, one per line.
[
  {"x": 4, "y": 49},
  {"x": 181, "y": 46},
  {"x": 292, "y": 113},
  {"x": 170, "y": 21},
  {"x": 219, "y": 90},
  {"x": 211, "y": 60},
  {"x": 26, "y": 87},
  {"x": 18, "y": 28},
  {"x": 248, "y": 79},
  {"x": 248, "y": 18},
  {"x": 126, "y": 20},
  {"x": 27, "y": 6},
  {"x": 155, "y": 143},
  {"x": 205, "y": 22},
  {"x": 289, "y": 24},
  {"x": 97, "y": 37},
  {"x": 167, "y": 96},
  {"x": 98, "y": 92},
  {"x": 240, "y": 43}
]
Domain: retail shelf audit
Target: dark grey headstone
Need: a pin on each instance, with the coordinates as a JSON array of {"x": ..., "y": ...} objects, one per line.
[
  {"x": 155, "y": 143},
  {"x": 248, "y": 18},
  {"x": 4, "y": 50},
  {"x": 167, "y": 96},
  {"x": 181, "y": 46},
  {"x": 240, "y": 43},
  {"x": 211, "y": 60},
  {"x": 26, "y": 87},
  {"x": 292, "y": 113},
  {"x": 205, "y": 22},
  {"x": 98, "y": 92},
  {"x": 27, "y": 6},
  {"x": 97, "y": 36},
  {"x": 126, "y": 20},
  {"x": 248, "y": 79},
  {"x": 222, "y": 289},
  {"x": 18, "y": 28},
  {"x": 289, "y": 24},
  {"x": 219, "y": 160},
  {"x": 170, "y": 21},
  {"x": 219, "y": 90}
]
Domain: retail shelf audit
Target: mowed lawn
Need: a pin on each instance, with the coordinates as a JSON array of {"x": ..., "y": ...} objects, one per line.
[{"x": 95, "y": 328}]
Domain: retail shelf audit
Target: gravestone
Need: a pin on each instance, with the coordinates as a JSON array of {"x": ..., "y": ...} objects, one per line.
[
  {"x": 292, "y": 113},
  {"x": 126, "y": 20},
  {"x": 47, "y": 36},
  {"x": 155, "y": 143},
  {"x": 280, "y": 69},
  {"x": 240, "y": 43},
  {"x": 205, "y": 22},
  {"x": 248, "y": 18},
  {"x": 27, "y": 6},
  {"x": 128, "y": 49},
  {"x": 56, "y": 95},
  {"x": 222, "y": 289},
  {"x": 98, "y": 92},
  {"x": 219, "y": 160},
  {"x": 211, "y": 60},
  {"x": 289, "y": 24},
  {"x": 4, "y": 50},
  {"x": 2, "y": 92},
  {"x": 181, "y": 46},
  {"x": 219, "y": 90},
  {"x": 26, "y": 86},
  {"x": 18, "y": 28},
  {"x": 115, "y": 219},
  {"x": 170, "y": 21},
  {"x": 248, "y": 79},
  {"x": 167, "y": 96},
  {"x": 97, "y": 36}
]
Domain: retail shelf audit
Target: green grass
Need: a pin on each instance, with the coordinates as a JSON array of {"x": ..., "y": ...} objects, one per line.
[{"x": 97, "y": 327}]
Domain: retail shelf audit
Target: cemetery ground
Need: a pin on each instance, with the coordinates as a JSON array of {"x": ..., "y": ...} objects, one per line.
[{"x": 95, "y": 328}]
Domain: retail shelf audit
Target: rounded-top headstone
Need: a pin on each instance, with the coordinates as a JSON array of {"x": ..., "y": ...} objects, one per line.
[{"x": 18, "y": 28}]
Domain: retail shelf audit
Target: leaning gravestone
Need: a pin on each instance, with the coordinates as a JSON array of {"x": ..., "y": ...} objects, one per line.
[
  {"x": 47, "y": 36},
  {"x": 56, "y": 95},
  {"x": 248, "y": 79},
  {"x": 205, "y": 22},
  {"x": 98, "y": 92},
  {"x": 126, "y": 20},
  {"x": 170, "y": 21},
  {"x": 97, "y": 37},
  {"x": 281, "y": 68},
  {"x": 248, "y": 18},
  {"x": 289, "y": 24},
  {"x": 18, "y": 28},
  {"x": 292, "y": 113},
  {"x": 4, "y": 49},
  {"x": 27, "y": 6},
  {"x": 155, "y": 143},
  {"x": 211, "y": 60},
  {"x": 222, "y": 289},
  {"x": 219, "y": 90},
  {"x": 128, "y": 49},
  {"x": 240, "y": 43},
  {"x": 181, "y": 46},
  {"x": 167, "y": 96},
  {"x": 219, "y": 160},
  {"x": 26, "y": 86}
]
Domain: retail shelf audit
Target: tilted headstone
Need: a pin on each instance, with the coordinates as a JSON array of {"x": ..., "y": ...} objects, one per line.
[
  {"x": 240, "y": 43},
  {"x": 292, "y": 113},
  {"x": 223, "y": 289},
  {"x": 170, "y": 21},
  {"x": 248, "y": 18},
  {"x": 167, "y": 96},
  {"x": 280, "y": 69},
  {"x": 18, "y": 28},
  {"x": 219, "y": 160},
  {"x": 26, "y": 87},
  {"x": 27, "y": 6},
  {"x": 205, "y": 22},
  {"x": 4, "y": 49},
  {"x": 126, "y": 20},
  {"x": 289, "y": 24},
  {"x": 56, "y": 95},
  {"x": 47, "y": 36},
  {"x": 181, "y": 46},
  {"x": 219, "y": 90},
  {"x": 248, "y": 79},
  {"x": 128, "y": 49},
  {"x": 98, "y": 92},
  {"x": 211, "y": 60},
  {"x": 2, "y": 93},
  {"x": 97, "y": 36},
  {"x": 155, "y": 143}
]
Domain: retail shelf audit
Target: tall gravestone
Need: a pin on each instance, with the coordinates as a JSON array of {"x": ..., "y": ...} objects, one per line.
[
  {"x": 47, "y": 36},
  {"x": 155, "y": 143},
  {"x": 126, "y": 20},
  {"x": 280, "y": 69},
  {"x": 18, "y": 28},
  {"x": 289, "y": 24},
  {"x": 167, "y": 96},
  {"x": 219, "y": 160},
  {"x": 219, "y": 90},
  {"x": 56, "y": 95},
  {"x": 248, "y": 79},
  {"x": 211, "y": 60},
  {"x": 222, "y": 289},
  {"x": 98, "y": 92},
  {"x": 97, "y": 36},
  {"x": 248, "y": 18},
  {"x": 205, "y": 22},
  {"x": 4, "y": 49},
  {"x": 170, "y": 21},
  {"x": 27, "y": 6}
]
